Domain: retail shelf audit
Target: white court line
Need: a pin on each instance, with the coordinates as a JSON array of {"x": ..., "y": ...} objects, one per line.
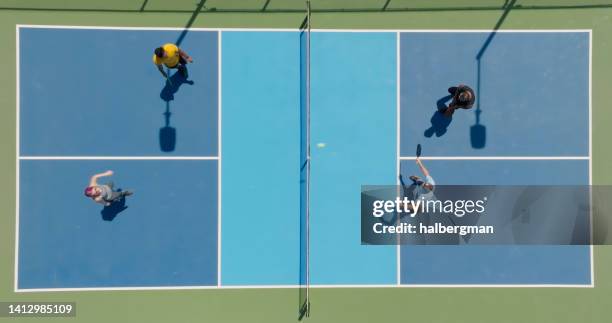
[
  {"x": 591, "y": 152},
  {"x": 231, "y": 287},
  {"x": 85, "y": 289},
  {"x": 453, "y": 30},
  {"x": 119, "y": 158},
  {"x": 314, "y": 30},
  {"x": 398, "y": 255},
  {"x": 457, "y": 286},
  {"x": 157, "y": 28},
  {"x": 219, "y": 68},
  {"x": 497, "y": 158},
  {"x": 588, "y": 158},
  {"x": 17, "y": 153},
  {"x": 218, "y": 158}
]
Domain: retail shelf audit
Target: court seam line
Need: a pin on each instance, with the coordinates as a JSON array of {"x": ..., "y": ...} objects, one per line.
[
  {"x": 314, "y": 30},
  {"x": 346, "y": 286},
  {"x": 17, "y": 170},
  {"x": 219, "y": 90},
  {"x": 119, "y": 158}
]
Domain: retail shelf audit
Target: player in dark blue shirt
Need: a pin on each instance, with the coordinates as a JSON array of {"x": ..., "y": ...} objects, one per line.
[{"x": 463, "y": 98}]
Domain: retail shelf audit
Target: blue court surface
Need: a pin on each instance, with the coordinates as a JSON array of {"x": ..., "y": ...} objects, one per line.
[
  {"x": 168, "y": 238},
  {"x": 214, "y": 159},
  {"x": 519, "y": 79},
  {"x": 498, "y": 264},
  {"x": 110, "y": 101}
]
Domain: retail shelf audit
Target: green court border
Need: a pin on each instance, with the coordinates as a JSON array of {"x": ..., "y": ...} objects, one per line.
[{"x": 328, "y": 305}]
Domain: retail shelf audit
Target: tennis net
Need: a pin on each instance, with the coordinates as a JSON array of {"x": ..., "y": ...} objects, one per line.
[{"x": 304, "y": 299}]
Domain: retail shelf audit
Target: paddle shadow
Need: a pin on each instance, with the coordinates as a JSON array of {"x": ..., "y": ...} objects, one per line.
[
  {"x": 439, "y": 122},
  {"x": 167, "y": 134},
  {"x": 478, "y": 132},
  {"x": 109, "y": 213}
]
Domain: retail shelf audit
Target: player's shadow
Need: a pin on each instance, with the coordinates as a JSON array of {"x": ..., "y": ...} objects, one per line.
[
  {"x": 392, "y": 218},
  {"x": 439, "y": 122},
  {"x": 167, "y": 134},
  {"x": 109, "y": 213},
  {"x": 172, "y": 87}
]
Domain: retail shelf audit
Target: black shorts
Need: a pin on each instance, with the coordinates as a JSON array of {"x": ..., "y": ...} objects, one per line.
[{"x": 182, "y": 61}]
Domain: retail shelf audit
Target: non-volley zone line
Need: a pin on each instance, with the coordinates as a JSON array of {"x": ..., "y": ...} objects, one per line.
[{"x": 496, "y": 158}]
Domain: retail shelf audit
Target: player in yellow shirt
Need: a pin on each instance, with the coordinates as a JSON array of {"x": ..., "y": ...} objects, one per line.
[{"x": 173, "y": 57}]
